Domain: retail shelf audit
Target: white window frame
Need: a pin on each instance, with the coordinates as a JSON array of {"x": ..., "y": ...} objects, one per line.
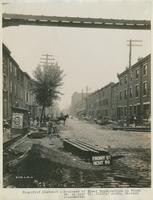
[
  {"x": 121, "y": 95},
  {"x": 125, "y": 94},
  {"x": 143, "y": 88},
  {"x": 138, "y": 90},
  {"x": 136, "y": 73},
  {"x": 145, "y": 65},
  {"x": 131, "y": 92}
]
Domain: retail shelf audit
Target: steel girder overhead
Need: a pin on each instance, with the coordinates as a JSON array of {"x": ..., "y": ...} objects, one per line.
[{"x": 39, "y": 20}]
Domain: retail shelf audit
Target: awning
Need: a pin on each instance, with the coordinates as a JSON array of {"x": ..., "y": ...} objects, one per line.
[{"x": 20, "y": 109}]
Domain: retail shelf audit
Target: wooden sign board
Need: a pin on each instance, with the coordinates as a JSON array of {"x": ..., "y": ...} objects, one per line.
[
  {"x": 101, "y": 160},
  {"x": 17, "y": 120}
]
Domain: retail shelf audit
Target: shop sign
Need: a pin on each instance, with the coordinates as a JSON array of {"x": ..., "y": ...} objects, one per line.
[{"x": 17, "y": 120}]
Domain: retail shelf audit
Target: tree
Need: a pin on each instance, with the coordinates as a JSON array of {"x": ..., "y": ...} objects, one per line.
[{"x": 47, "y": 85}]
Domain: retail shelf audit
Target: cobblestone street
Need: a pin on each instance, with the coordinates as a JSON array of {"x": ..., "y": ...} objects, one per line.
[
  {"x": 131, "y": 159},
  {"x": 104, "y": 137},
  {"x": 134, "y": 149}
]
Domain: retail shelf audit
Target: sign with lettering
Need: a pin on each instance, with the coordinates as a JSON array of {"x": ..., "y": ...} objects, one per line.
[
  {"x": 17, "y": 120},
  {"x": 101, "y": 160}
]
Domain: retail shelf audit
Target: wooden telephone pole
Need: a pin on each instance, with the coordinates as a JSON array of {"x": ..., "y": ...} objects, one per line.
[
  {"x": 131, "y": 43},
  {"x": 47, "y": 60}
]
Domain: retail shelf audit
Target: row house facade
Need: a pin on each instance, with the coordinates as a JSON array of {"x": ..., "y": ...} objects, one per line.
[
  {"x": 128, "y": 98},
  {"x": 16, "y": 86},
  {"x": 114, "y": 101},
  {"x": 99, "y": 103},
  {"x": 134, "y": 91}
]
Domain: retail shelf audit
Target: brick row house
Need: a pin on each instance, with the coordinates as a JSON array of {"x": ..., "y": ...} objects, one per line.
[
  {"x": 129, "y": 97},
  {"x": 16, "y": 87},
  {"x": 134, "y": 90},
  {"x": 99, "y": 103}
]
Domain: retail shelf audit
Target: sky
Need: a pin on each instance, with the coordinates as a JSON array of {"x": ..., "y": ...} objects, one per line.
[{"x": 89, "y": 57}]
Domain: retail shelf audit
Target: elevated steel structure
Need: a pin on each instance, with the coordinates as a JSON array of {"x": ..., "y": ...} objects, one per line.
[{"x": 76, "y": 22}]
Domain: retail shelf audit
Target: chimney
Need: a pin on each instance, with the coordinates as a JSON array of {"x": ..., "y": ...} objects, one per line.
[{"x": 140, "y": 58}]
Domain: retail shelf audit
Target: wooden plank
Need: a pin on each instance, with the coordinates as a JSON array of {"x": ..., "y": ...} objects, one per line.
[
  {"x": 88, "y": 148},
  {"x": 72, "y": 144},
  {"x": 92, "y": 147},
  {"x": 98, "y": 158}
]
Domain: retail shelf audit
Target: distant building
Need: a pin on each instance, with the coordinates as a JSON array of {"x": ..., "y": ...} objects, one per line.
[
  {"x": 99, "y": 103},
  {"x": 53, "y": 110},
  {"x": 78, "y": 103}
]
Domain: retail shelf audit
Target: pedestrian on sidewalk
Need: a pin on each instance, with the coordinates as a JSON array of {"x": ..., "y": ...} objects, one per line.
[
  {"x": 50, "y": 128},
  {"x": 135, "y": 120},
  {"x": 35, "y": 123}
]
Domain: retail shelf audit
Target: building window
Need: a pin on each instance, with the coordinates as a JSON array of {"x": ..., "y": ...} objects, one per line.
[
  {"x": 11, "y": 87},
  {"x": 145, "y": 69},
  {"x": 120, "y": 95},
  {"x": 5, "y": 67},
  {"x": 131, "y": 76},
  {"x": 125, "y": 79},
  {"x": 10, "y": 66},
  {"x": 27, "y": 96},
  {"x": 121, "y": 111},
  {"x": 125, "y": 94},
  {"x": 4, "y": 83},
  {"x": 18, "y": 74},
  {"x": 15, "y": 71},
  {"x": 125, "y": 111},
  {"x": 137, "y": 90},
  {"x": 137, "y": 73},
  {"x": 15, "y": 89},
  {"x": 130, "y": 110},
  {"x": 135, "y": 110},
  {"x": 130, "y": 92},
  {"x": 145, "y": 88},
  {"x": 5, "y": 109},
  {"x": 120, "y": 81}
]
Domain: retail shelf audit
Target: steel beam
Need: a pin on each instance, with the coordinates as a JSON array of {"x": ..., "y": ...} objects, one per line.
[{"x": 74, "y": 22}]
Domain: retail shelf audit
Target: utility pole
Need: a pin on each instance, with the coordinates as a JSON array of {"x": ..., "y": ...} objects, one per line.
[
  {"x": 47, "y": 60},
  {"x": 87, "y": 89},
  {"x": 82, "y": 96},
  {"x": 86, "y": 105},
  {"x": 131, "y": 43}
]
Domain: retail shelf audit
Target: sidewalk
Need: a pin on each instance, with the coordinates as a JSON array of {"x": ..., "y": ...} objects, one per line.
[
  {"x": 136, "y": 129},
  {"x": 8, "y": 136}
]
